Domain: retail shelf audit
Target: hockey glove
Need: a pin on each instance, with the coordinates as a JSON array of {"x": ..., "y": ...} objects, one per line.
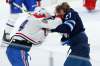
[
  {"x": 67, "y": 42},
  {"x": 45, "y": 21}
]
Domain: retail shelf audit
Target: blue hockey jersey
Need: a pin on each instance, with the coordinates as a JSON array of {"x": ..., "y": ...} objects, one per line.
[
  {"x": 72, "y": 25},
  {"x": 30, "y": 5}
]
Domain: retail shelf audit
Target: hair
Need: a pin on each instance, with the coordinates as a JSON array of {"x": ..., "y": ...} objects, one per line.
[
  {"x": 64, "y": 6},
  {"x": 58, "y": 8}
]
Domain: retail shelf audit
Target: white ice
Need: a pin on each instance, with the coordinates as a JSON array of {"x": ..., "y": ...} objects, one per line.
[{"x": 52, "y": 47}]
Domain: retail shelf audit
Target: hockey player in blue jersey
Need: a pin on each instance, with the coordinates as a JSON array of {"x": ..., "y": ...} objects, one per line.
[
  {"x": 29, "y": 4},
  {"x": 73, "y": 35}
]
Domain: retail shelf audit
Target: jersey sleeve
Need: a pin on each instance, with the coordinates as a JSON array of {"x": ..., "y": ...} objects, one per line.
[{"x": 68, "y": 24}]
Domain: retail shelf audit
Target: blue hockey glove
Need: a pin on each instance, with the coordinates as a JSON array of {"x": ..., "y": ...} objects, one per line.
[{"x": 67, "y": 42}]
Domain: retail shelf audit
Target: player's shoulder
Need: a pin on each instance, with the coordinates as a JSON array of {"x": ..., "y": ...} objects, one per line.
[
  {"x": 69, "y": 14},
  {"x": 72, "y": 11}
]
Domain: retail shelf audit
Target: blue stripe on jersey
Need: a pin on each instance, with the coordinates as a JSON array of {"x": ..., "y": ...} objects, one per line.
[{"x": 70, "y": 23}]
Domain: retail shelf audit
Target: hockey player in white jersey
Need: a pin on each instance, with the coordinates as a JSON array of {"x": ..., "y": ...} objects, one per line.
[
  {"x": 16, "y": 12},
  {"x": 31, "y": 31}
]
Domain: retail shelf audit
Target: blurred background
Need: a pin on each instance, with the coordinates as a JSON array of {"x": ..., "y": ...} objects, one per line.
[{"x": 51, "y": 52}]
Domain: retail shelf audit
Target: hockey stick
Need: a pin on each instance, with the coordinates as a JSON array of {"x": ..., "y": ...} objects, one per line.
[{"x": 22, "y": 9}]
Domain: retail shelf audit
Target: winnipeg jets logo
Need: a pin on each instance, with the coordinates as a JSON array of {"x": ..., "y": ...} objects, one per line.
[{"x": 68, "y": 16}]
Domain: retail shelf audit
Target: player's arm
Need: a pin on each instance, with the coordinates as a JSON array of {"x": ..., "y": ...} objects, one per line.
[
  {"x": 51, "y": 23},
  {"x": 67, "y": 26}
]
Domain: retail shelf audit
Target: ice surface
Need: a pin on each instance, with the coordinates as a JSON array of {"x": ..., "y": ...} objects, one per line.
[{"x": 51, "y": 47}]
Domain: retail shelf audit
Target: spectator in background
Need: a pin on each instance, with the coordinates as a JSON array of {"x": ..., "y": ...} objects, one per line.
[{"x": 90, "y": 4}]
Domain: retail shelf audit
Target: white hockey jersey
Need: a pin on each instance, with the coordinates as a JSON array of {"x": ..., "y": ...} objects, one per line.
[{"x": 31, "y": 29}]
